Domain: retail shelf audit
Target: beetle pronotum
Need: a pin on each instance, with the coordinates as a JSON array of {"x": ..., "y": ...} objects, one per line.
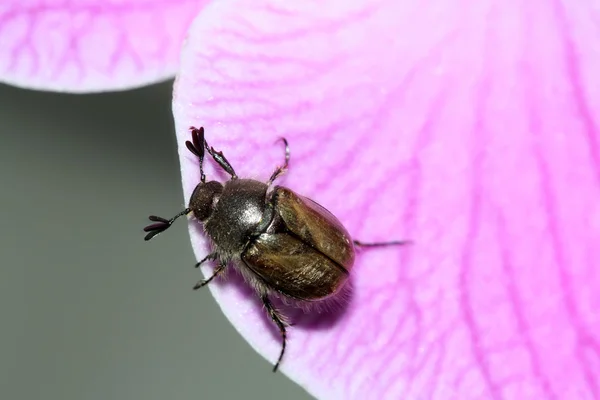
[{"x": 284, "y": 244}]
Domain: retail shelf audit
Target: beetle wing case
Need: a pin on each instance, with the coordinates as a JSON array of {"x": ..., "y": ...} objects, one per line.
[
  {"x": 306, "y": 253},
  {"x": 315, "y": 225},
  {"x": 294, "y": 268}
]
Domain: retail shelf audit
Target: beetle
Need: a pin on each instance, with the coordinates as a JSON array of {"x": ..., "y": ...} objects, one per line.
[{"x": 284, "y": 244}]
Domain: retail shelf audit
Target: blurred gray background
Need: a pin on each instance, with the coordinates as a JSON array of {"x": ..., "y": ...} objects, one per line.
[{"x": 88, "y": 309}]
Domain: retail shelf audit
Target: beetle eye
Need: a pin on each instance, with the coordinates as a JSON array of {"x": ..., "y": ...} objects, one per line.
[{"x": 204, "y": 198}]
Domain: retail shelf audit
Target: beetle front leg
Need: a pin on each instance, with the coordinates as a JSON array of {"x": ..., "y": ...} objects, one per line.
[
  {"x": 281, "y": 324},
  {"x": 221, "y": 160},
  {"x": 219, "y": 270}
]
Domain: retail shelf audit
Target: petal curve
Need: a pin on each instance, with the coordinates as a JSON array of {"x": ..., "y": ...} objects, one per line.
[
  {"x": 470, "y": 129},
  {"x": 93, "y": 45}
]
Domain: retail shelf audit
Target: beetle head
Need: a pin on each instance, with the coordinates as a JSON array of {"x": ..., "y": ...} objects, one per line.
[{"x": 205, "y": 197}]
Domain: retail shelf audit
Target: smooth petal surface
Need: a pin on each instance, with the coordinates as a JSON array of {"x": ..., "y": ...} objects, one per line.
[
  {"x": 92, "y": 45},
  {"x": 470, "y": 128}
]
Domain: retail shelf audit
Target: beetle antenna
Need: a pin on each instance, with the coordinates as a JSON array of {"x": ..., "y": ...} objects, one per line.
[
  {"x": 161, "y": 224},
  {"x": 196, "y": 146}
]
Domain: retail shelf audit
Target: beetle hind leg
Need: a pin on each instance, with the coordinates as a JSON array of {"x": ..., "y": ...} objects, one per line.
[
  {"x": 358, "y": 243},
  {"x": 281, "y": 324},
  {"x": 281, "y": 169}
]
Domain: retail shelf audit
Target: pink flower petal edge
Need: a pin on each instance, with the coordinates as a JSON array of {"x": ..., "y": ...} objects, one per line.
[
  {"x": 469, "y": 128},
  {"x": 89, "y": 46}
]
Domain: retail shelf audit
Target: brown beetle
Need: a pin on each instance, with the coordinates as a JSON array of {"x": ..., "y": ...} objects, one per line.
[{"x": 284, "y": 244}]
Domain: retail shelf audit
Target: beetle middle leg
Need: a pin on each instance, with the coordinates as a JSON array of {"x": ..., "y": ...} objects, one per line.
[
  {"x": 211, "y": 257},
  {"x": 281, "y": 169},
  {"x": 281, "y": 324},
  {"x": 218, "y": 271}
]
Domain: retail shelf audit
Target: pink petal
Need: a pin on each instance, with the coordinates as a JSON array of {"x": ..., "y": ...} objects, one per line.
[
  {"x": 471, "y": 128},
  {"x": 92, "y": 45}
]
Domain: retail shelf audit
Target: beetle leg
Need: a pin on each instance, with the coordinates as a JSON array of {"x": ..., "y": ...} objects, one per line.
[
  {"x": 219, "y": 270},
  {"x": 162, "y": 224},
  {"x": 211, "y": 256},
  {"x": 382, "y": 244},
  {"x": 281, "y": 169},
  {"x": 221, "y": 160},
  {"x": 280, "y": 322}
]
